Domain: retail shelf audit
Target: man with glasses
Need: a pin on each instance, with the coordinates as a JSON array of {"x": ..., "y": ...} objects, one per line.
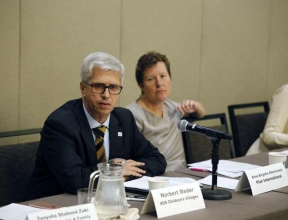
[{"x": 84, "y": 132}]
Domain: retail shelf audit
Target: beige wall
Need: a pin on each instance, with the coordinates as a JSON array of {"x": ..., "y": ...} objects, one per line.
[{"x": 222, "y": 51}]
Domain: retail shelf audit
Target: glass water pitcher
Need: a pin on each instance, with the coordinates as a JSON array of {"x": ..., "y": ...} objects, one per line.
[{"x": 110, "y": 199}]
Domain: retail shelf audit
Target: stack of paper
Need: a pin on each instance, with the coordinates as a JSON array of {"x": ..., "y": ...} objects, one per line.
[
  {"x": 222, "y": 182},
  {"x": 284, "y": 152},
  {"x": 17, "y": 212},
  {"x": 225, "y": 167},
  {"x": 142, "y": 183}
]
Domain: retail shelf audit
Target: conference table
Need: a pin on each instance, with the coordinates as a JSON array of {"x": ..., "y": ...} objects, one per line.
[
  {"x": 270, "y": 205},
  {"x": 260, "y": 159}
]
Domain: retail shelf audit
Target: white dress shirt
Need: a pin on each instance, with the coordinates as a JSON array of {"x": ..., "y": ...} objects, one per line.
[{"x": 93, "y": 124}]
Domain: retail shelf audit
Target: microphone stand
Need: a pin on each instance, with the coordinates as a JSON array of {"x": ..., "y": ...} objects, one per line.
[{"x": 214, "y": 193}]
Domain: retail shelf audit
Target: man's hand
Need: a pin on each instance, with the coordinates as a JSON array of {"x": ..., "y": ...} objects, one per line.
[{"x": 132, "y": 169}]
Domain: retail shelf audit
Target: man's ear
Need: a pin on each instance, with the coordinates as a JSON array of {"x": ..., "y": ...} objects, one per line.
[{"x": 82, "y": 87}]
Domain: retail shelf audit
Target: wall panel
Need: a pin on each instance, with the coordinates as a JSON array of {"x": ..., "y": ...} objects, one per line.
[
  {"x": 234, "y": 53},
  {"x": 170, "y": 27},
  {"x": 222, "y": 52},
  {"x": 278, "y": 49},
  {"x": 56, "y": 37},
  {"x": 9, "y": 66}
]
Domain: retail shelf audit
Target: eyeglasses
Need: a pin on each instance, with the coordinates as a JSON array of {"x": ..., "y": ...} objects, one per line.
[{"x": 100, "y": 88}]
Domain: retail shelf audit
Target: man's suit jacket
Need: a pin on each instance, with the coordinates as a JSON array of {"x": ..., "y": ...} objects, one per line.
[{"x": 67, "y": 155}]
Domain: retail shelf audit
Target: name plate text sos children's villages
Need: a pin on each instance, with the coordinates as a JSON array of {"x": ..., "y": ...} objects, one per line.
[
  {"x": 263, "y": 179},
  {"x": 86, "y": 211},
  {"x": 174, "y": 200}
]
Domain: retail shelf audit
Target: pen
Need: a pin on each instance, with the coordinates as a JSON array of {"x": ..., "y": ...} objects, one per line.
[
  {"x": 135, "y": 199},
  {"x": 199, "y": 169}
]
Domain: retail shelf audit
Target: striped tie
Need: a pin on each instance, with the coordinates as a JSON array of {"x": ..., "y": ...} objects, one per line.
[{"x": 99, "y": 134}]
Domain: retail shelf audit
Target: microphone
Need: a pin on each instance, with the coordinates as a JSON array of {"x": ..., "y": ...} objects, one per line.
[{"x": 184, "y": 125}]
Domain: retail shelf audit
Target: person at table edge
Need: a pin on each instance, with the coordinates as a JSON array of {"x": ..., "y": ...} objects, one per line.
[
  {"x": 156, "y": 115},
  {"x": 67, "y": 154}
]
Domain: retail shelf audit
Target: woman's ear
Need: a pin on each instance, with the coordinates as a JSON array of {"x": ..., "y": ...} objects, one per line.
[{"x": 141, "y": 87}]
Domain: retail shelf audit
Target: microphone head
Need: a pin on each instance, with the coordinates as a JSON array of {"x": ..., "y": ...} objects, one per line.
[{"x": 182, "y": 125}]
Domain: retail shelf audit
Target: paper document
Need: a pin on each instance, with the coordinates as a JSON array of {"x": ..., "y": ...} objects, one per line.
[
  {"x": 221, "y": 182},
  {"x": 284, "y": 152},
  {"x": 225, "y": 167},
  {"x": 142, "y": 183},
  {"x": 16, "y": 211}
]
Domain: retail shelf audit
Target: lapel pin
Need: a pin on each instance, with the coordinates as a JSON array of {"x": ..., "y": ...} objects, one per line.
[{"x": 119, "y": 134}]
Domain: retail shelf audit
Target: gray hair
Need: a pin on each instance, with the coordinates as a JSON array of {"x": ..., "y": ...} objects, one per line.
[{"x": 102, "y": 61}]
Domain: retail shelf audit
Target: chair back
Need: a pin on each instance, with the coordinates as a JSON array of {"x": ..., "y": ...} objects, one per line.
[
  {"x": 198, "y": 147},
  {"x": 16, "y": 166},
  {"x": 246, "y": 127}
]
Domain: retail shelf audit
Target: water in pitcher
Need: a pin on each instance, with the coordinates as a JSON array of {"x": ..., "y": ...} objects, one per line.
[{"x": 110, "y": 199}]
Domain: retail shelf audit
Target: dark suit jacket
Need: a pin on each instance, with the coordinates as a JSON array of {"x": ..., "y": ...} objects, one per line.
[{"x": 67, "y": 155}]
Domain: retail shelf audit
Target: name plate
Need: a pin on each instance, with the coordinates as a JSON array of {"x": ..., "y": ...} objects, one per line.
[
  {"x": 174, "y": 200},
  {"x": 79, "y": 212},
  {"x": 263, "y": 179}
]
